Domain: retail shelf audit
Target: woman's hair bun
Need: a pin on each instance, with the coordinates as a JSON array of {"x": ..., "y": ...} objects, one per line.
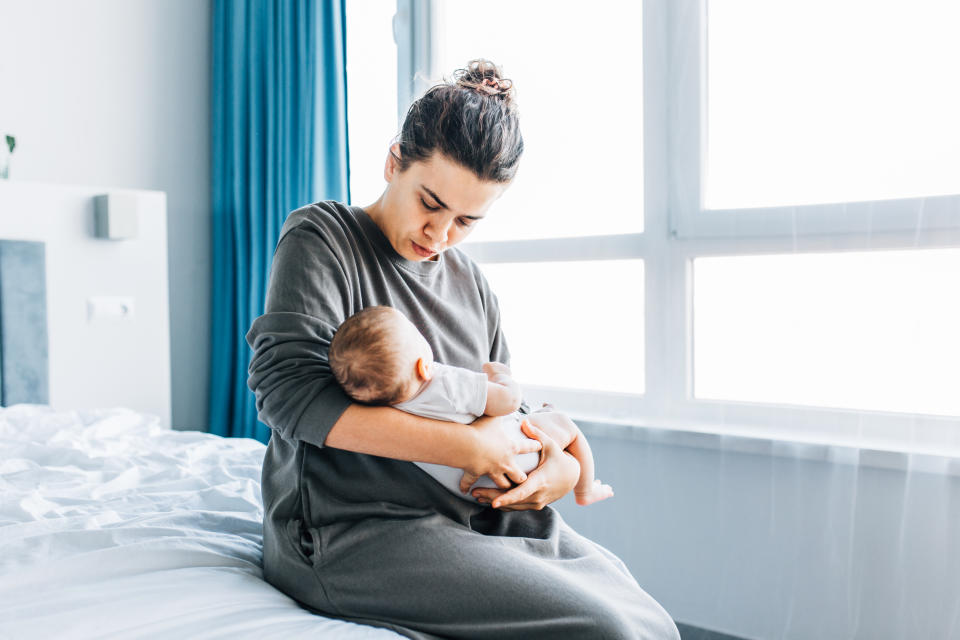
[
  {"x": 470, "y": 118},
  {"x": 484, "y": 77}
]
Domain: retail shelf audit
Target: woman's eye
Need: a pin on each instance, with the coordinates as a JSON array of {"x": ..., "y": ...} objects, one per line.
[
  {"x": 463, "y": 222},
  {"x": 428, "y": 207}
]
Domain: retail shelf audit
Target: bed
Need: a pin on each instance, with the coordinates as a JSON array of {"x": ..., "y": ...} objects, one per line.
[{"x": 112, "y": 524}]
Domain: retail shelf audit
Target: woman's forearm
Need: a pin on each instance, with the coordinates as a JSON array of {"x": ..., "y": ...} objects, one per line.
[
  {"x": 481, "y": 448},
  {"x": 391, "y": 433}
]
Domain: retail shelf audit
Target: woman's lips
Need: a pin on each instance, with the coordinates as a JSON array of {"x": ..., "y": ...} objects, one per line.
[{"x": 420, "y": 251}]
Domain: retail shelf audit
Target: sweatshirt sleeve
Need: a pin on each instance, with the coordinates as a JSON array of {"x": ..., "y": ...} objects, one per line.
[
  {"x": 307, "y": 298},
  {"x": 499, "y": 352}
]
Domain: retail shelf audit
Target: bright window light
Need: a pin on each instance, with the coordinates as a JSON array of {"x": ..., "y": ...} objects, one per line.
[
  {"x": 371, "y": 94},
  {"x": 875, "y": 331},
  {"x": 819, "y": 101},
  {"x": 579, "y": 90},
  {"x": 573, "y": 324}
]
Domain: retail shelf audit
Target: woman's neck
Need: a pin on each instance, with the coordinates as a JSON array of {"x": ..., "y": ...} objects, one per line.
[{"x": 375, "y": 211}]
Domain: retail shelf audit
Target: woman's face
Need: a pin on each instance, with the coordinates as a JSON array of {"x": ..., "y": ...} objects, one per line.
[{"x": 431, "y": 206}]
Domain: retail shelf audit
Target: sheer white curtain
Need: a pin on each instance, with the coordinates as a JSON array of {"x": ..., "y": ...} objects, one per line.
[{"x": 782, "y": 540}]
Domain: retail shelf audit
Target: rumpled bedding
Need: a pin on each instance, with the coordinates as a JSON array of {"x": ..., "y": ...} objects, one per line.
[{"x": 114, "y": 527}]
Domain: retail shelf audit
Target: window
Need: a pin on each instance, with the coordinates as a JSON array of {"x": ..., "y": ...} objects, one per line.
[
  {"x": 599, "y": 161},
  {"x": 596, "y": 343},
  {"x": 833, "y": 118},
  {"x": 814, "y": 217},
  {"x": 544, "y": 248},
  {"x": 745, "y": 233},
  {"x": 831, "y": 101},
  {"x": 872, "y": 330}
]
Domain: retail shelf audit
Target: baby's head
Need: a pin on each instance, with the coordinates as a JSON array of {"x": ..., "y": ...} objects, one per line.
[{"x": 379, "y": 357}]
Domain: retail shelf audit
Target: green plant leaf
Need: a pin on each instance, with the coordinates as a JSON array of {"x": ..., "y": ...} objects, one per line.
[{"x": 11, "y": 142}]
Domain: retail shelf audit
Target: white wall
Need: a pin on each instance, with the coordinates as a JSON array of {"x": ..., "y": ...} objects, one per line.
[
  {"x": 101, "y": 361},
  {"x": 117, "y": 93}
]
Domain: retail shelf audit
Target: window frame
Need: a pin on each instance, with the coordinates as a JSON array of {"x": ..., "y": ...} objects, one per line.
[
  {"x": 686, "y": 28},
  {"x": 678, "y": 230}
]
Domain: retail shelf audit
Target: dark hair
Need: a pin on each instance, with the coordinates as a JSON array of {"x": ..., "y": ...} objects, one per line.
[
  {"x": 471, "y": 120},
  {"x": 365, "y": 358}
]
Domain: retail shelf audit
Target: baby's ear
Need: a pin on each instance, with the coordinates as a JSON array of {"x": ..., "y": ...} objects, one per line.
[{"x": 423, "y": 369}]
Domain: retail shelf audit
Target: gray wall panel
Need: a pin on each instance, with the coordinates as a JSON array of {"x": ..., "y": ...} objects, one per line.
[{"x": 24, "y": 350}]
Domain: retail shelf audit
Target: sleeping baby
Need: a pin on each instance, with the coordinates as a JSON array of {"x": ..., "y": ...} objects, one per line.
[{"x": 380, "y": 358}]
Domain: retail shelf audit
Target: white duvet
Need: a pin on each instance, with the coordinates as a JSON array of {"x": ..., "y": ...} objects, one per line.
[{"x": 111, "y": 526}]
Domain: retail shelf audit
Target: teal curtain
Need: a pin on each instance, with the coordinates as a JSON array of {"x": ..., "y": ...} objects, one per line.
[{"x": 279, "y": 107}]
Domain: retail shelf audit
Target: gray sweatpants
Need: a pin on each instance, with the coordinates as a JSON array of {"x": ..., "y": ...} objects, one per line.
[{"x": 466, "y": 572}]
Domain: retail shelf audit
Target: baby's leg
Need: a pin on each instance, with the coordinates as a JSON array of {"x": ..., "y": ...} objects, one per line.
[
  {"x": 588, "y": 489},
  {"x": 568, "y": 435},
  {"x": 559, "y": 427}
]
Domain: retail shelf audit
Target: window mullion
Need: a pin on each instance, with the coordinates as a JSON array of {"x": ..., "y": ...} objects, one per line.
[
  {"x": 825, "y": 243},
  {"x": 684, "y": 55},
  {"x": 664, "y": 304},
  {"x": 414, "y": 34}
]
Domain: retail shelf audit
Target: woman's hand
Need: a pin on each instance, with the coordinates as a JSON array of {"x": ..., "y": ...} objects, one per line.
[
  {"x": 495, "y": 454},
  {"x": 554, "y": 477}
]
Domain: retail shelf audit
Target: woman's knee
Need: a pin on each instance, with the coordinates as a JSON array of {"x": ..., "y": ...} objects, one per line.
[
  {"x": 657, "y": 624},
  {"x": 645, "y": 620}
]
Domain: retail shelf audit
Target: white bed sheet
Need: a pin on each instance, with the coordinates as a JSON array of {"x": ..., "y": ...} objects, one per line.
[{"x": 111, "y": 526}]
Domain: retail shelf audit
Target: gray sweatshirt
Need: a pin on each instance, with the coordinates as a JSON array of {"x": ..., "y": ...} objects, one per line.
[{"x": 377, "y": 540}]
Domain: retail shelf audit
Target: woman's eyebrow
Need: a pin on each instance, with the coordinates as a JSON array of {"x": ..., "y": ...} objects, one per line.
[
  {"x": 434, "y": 196},
  {"x": 444, "y": 204}
]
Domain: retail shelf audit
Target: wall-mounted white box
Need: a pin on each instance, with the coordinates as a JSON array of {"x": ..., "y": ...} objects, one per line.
[{"x": 115, "y": 216}]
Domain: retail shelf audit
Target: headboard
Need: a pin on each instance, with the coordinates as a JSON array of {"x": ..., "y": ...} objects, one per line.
[
  {"x": 24, "y": 358},
  {"x": 103, "y": 334}
]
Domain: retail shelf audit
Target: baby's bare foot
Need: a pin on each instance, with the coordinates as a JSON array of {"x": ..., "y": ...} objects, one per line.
[{"x": 597, "y": 492}]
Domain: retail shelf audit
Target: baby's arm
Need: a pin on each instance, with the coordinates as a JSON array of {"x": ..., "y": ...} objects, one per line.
[{"x": 503, "y": 393}]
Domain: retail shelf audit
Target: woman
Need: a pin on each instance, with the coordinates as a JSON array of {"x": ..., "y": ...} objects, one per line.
[{"x": 351, "y": 528}]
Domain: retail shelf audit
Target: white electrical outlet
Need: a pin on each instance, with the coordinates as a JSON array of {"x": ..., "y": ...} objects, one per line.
[{"x": 109, "y": 307}]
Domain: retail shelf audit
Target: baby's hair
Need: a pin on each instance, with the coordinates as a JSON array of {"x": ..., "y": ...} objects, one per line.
[{"x": 366, "y": 359}]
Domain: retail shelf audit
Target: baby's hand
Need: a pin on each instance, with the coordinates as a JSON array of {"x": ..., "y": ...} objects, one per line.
[
  {"x": 503, "y": 392},
  {"x": 493, "y": 369},
  {"x": 597, "y": 492}
]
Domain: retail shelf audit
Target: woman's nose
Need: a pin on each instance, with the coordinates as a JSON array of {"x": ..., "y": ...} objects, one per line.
[{"x": 437, "y": 230}]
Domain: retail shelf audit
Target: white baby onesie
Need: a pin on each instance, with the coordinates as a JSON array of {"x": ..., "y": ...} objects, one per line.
[{"x": 459, "y": 395}]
